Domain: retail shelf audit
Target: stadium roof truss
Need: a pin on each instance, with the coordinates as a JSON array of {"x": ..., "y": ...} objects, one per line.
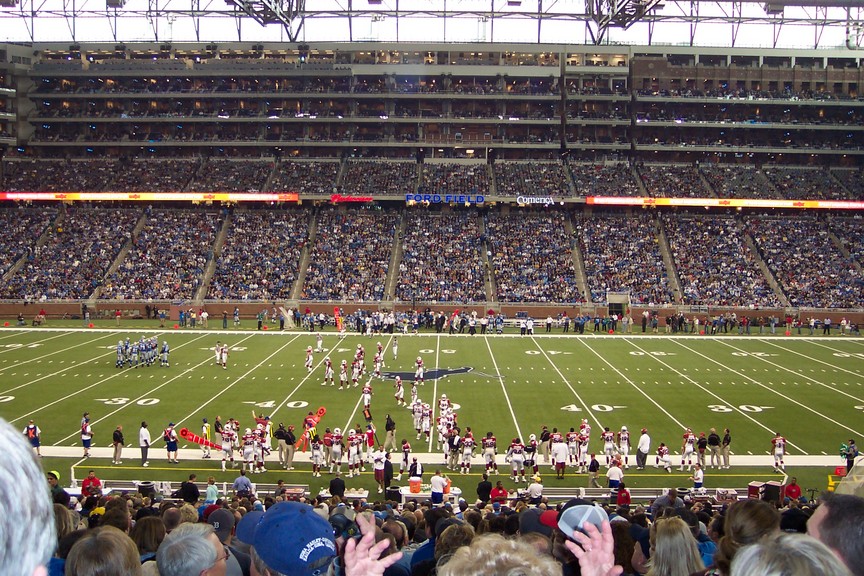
[{"x": 586, "y": 21}]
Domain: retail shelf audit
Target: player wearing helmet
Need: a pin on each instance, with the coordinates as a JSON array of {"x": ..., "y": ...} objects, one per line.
[
  {"x": 418, "y": 374},
  {"x": 328, "y": 372},
  {"x": 308, "y": 362},
  {"x": 624, "y": 445}
]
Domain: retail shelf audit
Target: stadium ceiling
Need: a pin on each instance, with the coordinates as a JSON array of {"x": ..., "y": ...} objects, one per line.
[{"x": 587, "y": 21}]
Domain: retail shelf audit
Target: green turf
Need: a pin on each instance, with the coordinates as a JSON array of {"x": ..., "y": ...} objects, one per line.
[{"x": 810, "y": 390}]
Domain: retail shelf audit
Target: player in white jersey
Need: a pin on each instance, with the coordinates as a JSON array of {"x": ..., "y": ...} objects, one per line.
[
  {"x": 624, "y": 445},
  {"x": 328, "y": 372},
  {"x": 316, "y": 455},
  {"x": 609, "y": 449},
  {"x": 584, "y": 439},
  {"x": 379, "y": 362},
  {"x": 516, "y": 454},
  {"x": 778, "y": 444},
  {"x": 308, "y": 362},
  {"x": 585, "y": 427},
  {"x": 229, "y": 438},
  {"x": 531, "y": 454},
  {"x": 444, "y": 404},
  {"x": 687, "y": 449},
  {"x": 247, "y": 444},
  {"x": 223, "y": 356},
  {"x": 367, "y": 395},
  {"x": 413, "y": 393},
  {"x": 343, "y": 374},
  {"x": 336, "y": 450},
  {"x": 395, "y": 348},
  {"x": 468, "y": 445},
  {"x": 663, "y": 458},
  {"x": 400, "y": 392},
  {"x": 217, "y": 353},
  {"x": 166, "y": 352},
  {"x": 572, "y": 438},
  {"x": 319, "y": 343},
  {"x": 417, "y": 413},
  {"x": 490, "y": 448},
  {"x": 406, "y": 458},
  {"x": 426, "y": 421},
  {"x": 356, "y": 371},
  {"x": 355, "y": 445},
  {"x": 420, "y": 371},
  {"x": 205, "y": 434}
]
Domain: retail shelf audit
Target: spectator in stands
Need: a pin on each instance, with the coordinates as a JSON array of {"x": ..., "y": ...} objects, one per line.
[
  {"x": 673, "y": 549},
  {"x": 147, "y": 534},
  {"x": 838, "y": 522},
  {"x": 223, "y": 522},
  {"x": 104, "y": 550},
  {"x": 292, "y": 539},
  {"x": 796, "y": 554},
  {"x": 192, "y": 549},
  {"x": 747, "y": 522}
]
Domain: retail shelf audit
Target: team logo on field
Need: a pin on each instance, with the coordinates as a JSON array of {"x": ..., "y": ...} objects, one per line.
[{"x": 435, "y": 374}]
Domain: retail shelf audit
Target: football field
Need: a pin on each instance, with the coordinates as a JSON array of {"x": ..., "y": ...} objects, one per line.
[{"x": 809, "y": 389}]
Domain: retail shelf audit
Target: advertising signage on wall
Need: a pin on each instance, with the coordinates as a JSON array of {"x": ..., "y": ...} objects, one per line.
[
  {"x": 150, "y": 196},
  {"x": 445, "y": 198}
]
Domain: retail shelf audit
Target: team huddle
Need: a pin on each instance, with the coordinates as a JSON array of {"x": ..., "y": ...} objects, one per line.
[{"x": 142, "y": 353}]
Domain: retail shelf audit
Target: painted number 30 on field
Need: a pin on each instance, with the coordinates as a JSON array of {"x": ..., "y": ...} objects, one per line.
[
  {"x": 121, "y": 401},
  {"x": 742, "y": 408}
]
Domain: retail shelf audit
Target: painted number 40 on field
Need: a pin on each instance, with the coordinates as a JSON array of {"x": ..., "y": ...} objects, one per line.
[{"x": 594, "y": 407}]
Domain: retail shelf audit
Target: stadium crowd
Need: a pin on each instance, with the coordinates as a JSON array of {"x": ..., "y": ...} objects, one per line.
[
  {"x": 604, "y": 180},
  {"x": 276, "y": 534},
  {"x": 75, "y": 257},
  {"x": 224, "y": 175},
  {"x": 441, "y": 259},
  {"x": 26, "y": 175},
  {"x": 305, "y": 177},
  {"x": 788, "y": 244},
  {"x": 167, "y": 257},
  {"x": 532, "y": 258},
  {"x": 714, "y": 264},
  {"x": 672, "y": 181},
  {"x": 148, "y": 175},
  {"x": 21, "y": 227},
  {"x": 804, "y": 184},
  {"x": 732, "y": 181},
  {"x": 351, "y": 255},
  {"x": 379, "y": 177},
  {"x": 623, "y": 254},
  {"x": 261, "y": 255},
  {"x": 531, "y": 179},
  {"x": 463, "y": 179}
]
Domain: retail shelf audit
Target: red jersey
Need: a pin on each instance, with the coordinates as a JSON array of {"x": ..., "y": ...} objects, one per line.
[
  {"x": 556, "y": 437},
  {"x": 779, "y": 443},
  {"x": 328, "y": 439},
  {"x": 370, "y": 437},
  {"x": 572, "y": 437},
  {"x": 663, "y": 451},
  {"x": 517, "y": 448},
  {"x": 608, "y": 437}
]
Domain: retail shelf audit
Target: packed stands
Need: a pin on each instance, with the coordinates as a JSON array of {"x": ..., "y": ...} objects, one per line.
[
  {"x": 804, "y": 184},
  {"x": 379, "y": 177},
  {"x": 224, "y": 175},
  {"x": 305, "y": 177},
  {"x": 21, "y": 228},
  {"x": 672, "y": 181},
  {"x": 735, "y": 181},
  {"x": 146, "y": 175},
  {"x": 57, "y": 176},
  {"x": 604, "y": 180},
  {"x": 455, "y": 179},
  {"x": 531, "y": 179}
]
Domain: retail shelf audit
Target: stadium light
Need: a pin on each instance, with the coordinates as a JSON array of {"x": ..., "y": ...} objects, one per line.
[
  {"x": 8, "y": 3},
  {"x": 514, "y": 3},
  {"x": 115, "y": 3}
]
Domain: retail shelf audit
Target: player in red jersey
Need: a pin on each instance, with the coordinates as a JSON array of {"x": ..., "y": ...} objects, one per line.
[
  {"x": 779, "y": 449},
  {"x": 490, "y": 449},
  {"x": 308, "y": 362}
]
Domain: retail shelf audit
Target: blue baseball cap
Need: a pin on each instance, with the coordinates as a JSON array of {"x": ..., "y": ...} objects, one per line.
[{"x": 292, "y": 539}]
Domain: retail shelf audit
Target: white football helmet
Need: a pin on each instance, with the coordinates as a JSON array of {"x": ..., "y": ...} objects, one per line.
[
  {"x": 248, "y": 430},
  {"x": 623, "y": 428},
  {"x": 352, "y": 432},
  {"x": 532, "y": 437},
  {"x": 419, "y": 358},
  {"x": 337, "y": 431}
]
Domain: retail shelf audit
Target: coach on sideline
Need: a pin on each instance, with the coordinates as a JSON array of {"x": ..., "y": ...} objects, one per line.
[{"x": 31, "y": 536}]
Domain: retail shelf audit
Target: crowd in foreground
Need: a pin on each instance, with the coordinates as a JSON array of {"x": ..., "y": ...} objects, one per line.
[{"x": 272, "y": 536}]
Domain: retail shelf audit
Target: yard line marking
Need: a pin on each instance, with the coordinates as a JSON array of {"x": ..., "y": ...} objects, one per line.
[
  {"x": 802, "y": 375},
  {"x": 629, "y": 381},
  {"x": 359, "y": 399},
  {"x": 70, "y": 367},
  {"x": 792, "y": 400},
  {"x": 122, "y": 406},
  {"x": 730, "y": 404},
  {"x": 504, "y": 389},
  {"x": 567, "y": 383},
  {"x": 58, "y": 351},
  {"x": 229, "y": 386},
  {"x": 432, "y": 427},
  {"x": 34, "y": 342}
]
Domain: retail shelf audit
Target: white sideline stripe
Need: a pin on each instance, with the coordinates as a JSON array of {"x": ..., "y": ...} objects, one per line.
[
  {"x": 33, "y": 342},
  {"x": 767, "y": 361},
  {"x": 357, "y": 404},
  {"x": 433, "y": 429},
  {"x": 629, "y": 381},
  {"x": 787, "y": 398},
  {"x": 567, "y": 382},
  {"x": 122, "y": 406},
  {"x": 237, "y": 380},
  {"x": 710, "y": 393},
  {"x": 35, "y": 358},
  {"x": 504, "y": 388}
]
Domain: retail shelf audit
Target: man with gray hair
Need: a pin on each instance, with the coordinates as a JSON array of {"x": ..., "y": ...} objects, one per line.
[
  {"x": 191, "y": 549},
  {"x": 29, "y": 541},
  {"x": 838, "y": 523}
]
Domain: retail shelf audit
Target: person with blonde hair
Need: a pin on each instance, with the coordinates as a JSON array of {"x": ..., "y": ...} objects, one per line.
[
  {"x": 673, "y": 549},
  {"x": 787, "y": 554},
  {"x": 103, "y": 550},
  {"x": 491, "y": 554},
  {"x": 747, "y": 522}
]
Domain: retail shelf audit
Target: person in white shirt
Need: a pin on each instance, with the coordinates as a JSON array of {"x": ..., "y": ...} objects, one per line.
[
  {"x": 534, "y": 492},
  {"x": 615, "y": 474},
  {"x": 643, "y": 449},
  {"x": 144, "y": 443},
  {"x": 378, "y": 458},
  {"x": 439, "y": 483},
  {"x": 698, "y": 478}
]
